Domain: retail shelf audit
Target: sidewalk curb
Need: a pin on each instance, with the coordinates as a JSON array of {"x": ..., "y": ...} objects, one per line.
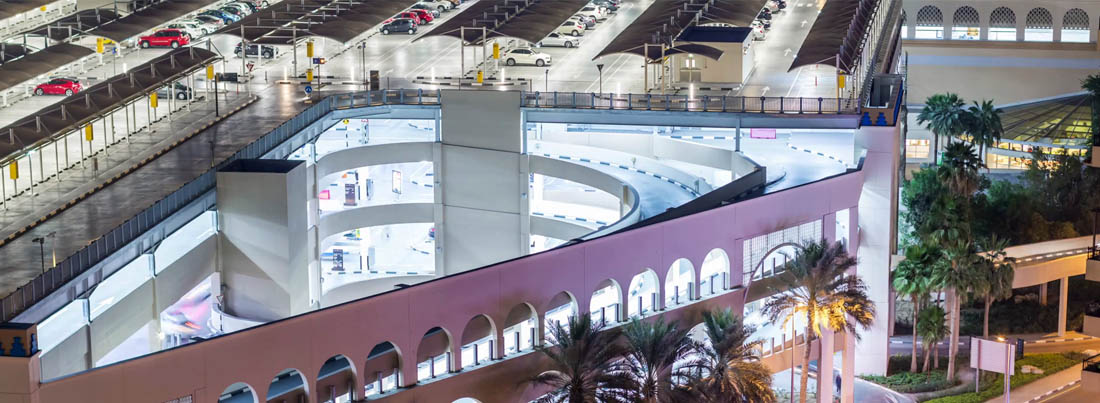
[{"x": 1053, "y": 391}]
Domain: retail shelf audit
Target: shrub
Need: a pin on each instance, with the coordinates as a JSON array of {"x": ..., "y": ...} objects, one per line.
[{"x": 992, "y": 383}]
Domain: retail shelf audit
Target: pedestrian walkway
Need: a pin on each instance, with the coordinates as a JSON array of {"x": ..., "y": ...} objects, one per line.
[
  {"x": 1040, "y": 387},
  {"x": 58, "y": 192}
]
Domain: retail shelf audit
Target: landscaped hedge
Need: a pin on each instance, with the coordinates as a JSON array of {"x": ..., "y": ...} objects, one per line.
[{"x": 992, "y": 383}]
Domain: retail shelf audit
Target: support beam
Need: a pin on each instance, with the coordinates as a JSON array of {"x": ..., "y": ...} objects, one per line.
[
  {"x": 1063, "y": 297},
  {"x": 826, "y": 384},
  {"x": 1043, "y": 293},
  {"x": 848, "y": 370}
]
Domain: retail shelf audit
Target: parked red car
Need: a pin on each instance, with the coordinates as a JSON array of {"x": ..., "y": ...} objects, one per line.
[
  {"x": 425, "y": 16},
  {"x": 405, "y": 14},
  {"x": 165, "y": 37},
  {"x": 58, "y": 86}
]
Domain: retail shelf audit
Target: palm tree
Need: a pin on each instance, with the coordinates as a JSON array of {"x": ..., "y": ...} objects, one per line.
[
  {"x": 726, "y": 368},
  {"x": 995, "y": 274},
  {"x": 586, "y": 365},
  {"x": 956, "y": 277},
  {"x": 654, "y": 348},
  {"x": 818, "y": 286},
  {"x": 943, "y": 116},
  {"x": 959, "y": 169},
  {"x": 932, "y": 330},
  {"x": 913, "y": 278},
  {"x": 983, "y": 122}
]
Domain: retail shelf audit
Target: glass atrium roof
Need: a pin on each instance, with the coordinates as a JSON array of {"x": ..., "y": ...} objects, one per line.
[{"x": 1063, "y": 121}]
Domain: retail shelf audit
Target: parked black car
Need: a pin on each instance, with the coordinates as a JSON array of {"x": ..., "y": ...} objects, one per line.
[{"x": 399, "y": 25}]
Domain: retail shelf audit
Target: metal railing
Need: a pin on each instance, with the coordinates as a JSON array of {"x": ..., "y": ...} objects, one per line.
[
  {"x": 385, "y": 97},
  {"x": 114, "y": 240},
  {"x": 687, "y": 103}
]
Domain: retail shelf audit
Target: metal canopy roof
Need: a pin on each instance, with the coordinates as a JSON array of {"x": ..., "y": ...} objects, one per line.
[
  {"x": 664, "y": 20},
  {"x": 74, "y": 24},
  {"x": 1063, "y": 121},
  {"x": 340, "y": 20},
  {"x": 79, "y": 109},
  {"x": 529, "y": 20},
  {"x": 148, "y": 18},
  {"x": 32, "y": 65},
  {"x": 9, "y": 8},
  {"x": 838, "y": 31}
]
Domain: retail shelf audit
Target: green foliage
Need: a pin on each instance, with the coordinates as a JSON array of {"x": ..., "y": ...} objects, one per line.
[
  {"x": 943, "y": 114},
  {"x": 907, "y": 382},
  {"x": 992, "y": 385}
]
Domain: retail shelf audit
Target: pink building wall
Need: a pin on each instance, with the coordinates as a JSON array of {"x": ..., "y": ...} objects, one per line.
[{"x": 203, "y": 370}]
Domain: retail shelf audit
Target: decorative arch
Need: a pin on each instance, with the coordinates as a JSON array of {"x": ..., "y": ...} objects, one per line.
[
  {"x": 478, "y": 341},
  {"x": 929, "y": 23},
  {"x": 714, "y": 275},
  {"x": 966, "y": 24},
  {"x": 433, "y": 354},
  {"x": 1002, "y": 24},
  {"x": 290, "y": 385},
  {"x": 679, "y": 283},
  {"x": 1075, "y": 26},
  {"x": 607, "y": 302},
  {"x": 560, "y": 308},
  {"x": 382, "y": 369},
  {"x": 1039, "y": 25},
  {"x": 337, "y": 378},
  {"x": 466, "y": 400},
  {"x": 238, "y": 392},
  {"x": 643, "y": 294},
  {"x": 520, "y": 328}
]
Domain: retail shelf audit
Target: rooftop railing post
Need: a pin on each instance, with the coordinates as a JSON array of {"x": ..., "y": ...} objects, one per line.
[
  {"x": 574, "y": 103},
  {"x": 419, "y": 96},
  {"x": 648, "y": 101},
  {"x": 536, "y": 99},
  {"x": 782, "y": 100},
  {"x": 799, "y": 105},
  {"x": 668, "y": 101},
  {"x": 742, "y": 104},
  {"x": 762, "y": 100},
  {"x": 820, "y": 101},
  {"x": 724, "y": 103}
]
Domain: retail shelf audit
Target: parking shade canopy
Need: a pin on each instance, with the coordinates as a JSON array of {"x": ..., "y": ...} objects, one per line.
[
  {"x": 339, "y": 20},
  {"x": 838, "y": 32},
  {"x": 78, "y": 23},
  {"x": 665, "y": 20},
  {"x": 148, "y": 18},
  {"x": 99, "y": 100},
  {"x": 529, "y": 20},
  {"x": 358, "y": 19},
  {"x": 34, "y": 64},
  {"x": 9, "y": 8}
]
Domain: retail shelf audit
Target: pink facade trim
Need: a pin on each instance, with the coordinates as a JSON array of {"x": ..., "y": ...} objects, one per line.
[{"x": 402, "y": 317}]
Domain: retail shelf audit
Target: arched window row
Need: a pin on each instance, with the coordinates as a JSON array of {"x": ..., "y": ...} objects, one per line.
[{"x": 966, "y": 24}]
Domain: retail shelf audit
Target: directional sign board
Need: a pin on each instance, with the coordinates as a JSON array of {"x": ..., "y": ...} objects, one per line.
[
  {"x": 309, "y": 89},
  {"x": 319, "y": 60}
]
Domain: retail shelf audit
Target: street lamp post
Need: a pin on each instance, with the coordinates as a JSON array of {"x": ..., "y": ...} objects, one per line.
[
  {"x": 41, "y": 241},
  {"x": 600, "y": 68}
]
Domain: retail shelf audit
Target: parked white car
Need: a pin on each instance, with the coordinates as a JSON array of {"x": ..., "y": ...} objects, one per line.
[
  {"x": 556, "y": 39},
  {"x": 204, "y": 26},
  {"x": 441, "y": 5},
  {"x": 513, "y": 57},
  {"x": 571, "y": 27},
  {"x": 596, "y": 12},
  {"x": 194, "y": 30}
]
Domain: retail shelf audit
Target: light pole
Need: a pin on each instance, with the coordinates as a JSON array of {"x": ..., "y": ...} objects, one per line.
[
  {"x": 41, "y": 241},
  {"x": 600, "y": 68}
]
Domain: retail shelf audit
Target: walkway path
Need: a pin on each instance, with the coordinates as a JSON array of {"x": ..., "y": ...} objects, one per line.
[
  {"x": 106, "y": 209},
  {"x": 1040, "y": 387}
]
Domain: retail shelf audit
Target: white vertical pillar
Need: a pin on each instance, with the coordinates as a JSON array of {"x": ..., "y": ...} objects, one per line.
[
  {"x": 1063, "y": 296},
  {"x": 825, "y": 381},
  {"x": 848, "y": 370}
]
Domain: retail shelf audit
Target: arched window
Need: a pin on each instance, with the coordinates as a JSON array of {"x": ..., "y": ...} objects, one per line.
[
  {"x": 433, "y": 355},
  {"x": 1075, "y": 26},
  {"x": 715, "y": 273},
  {"x": 478, "y": 341},
  {"x": 288, "y": 385},
  {"x": 929, "y": 23},
  {"x": 238, "y": 392},
  {"x": 520, "y": 329},
  {"x": 1039, "y": 25},
  {"x": 966, "y": 24},
  {"x": 559, "y": 310},
  {"x": 679, "y": 283},
  {"x": 606, "y": 302},
  {"x": 382, "y": 372},
  {"x": 336, "y": 379},
  {"x": 643, "y": 294},
  {"x": 1002, "y": 24}
]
